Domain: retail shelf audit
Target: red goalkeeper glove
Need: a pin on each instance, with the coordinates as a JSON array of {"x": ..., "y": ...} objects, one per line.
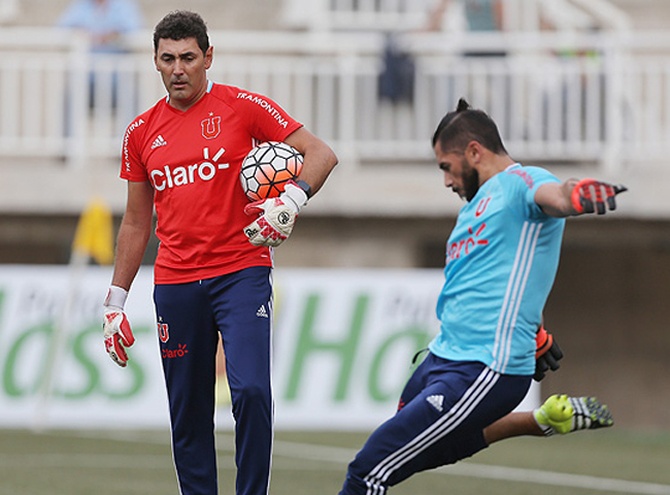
[
  {"x": 547, "y": 354},
  {"x": 277, "y": 218},
  {"x": 590, "y": 195},
  {"x": 116, "y": 328}
]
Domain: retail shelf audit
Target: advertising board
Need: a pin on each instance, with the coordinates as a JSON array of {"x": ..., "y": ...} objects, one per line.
[{"x": 343, "y": 347}]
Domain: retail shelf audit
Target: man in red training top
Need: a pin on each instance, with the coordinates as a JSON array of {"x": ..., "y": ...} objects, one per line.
[{"x": 213, "y": 271}]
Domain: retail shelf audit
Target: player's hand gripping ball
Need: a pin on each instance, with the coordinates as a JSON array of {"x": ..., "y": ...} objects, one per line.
[
  {"x": 276, "y": 216},
  {"x": 267, "y": 169}
]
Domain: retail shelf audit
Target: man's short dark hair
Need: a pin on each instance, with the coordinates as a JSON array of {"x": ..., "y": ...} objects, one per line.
[
  {"x": 182, "y": 24},
  {"x": 465, "y": 124}
]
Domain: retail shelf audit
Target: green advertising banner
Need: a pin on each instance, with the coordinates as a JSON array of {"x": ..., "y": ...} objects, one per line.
[
  {"x": 343, "y": 347},
  {"x": 55, "y": 371}
]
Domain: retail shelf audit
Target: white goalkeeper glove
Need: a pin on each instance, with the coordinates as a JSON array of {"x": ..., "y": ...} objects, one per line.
[
  {"x": 277, "y": 218},
  {"x": 115, "y": 325}
]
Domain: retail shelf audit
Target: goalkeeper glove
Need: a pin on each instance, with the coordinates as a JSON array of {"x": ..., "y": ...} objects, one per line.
[
  {"x": 547, "y": 353},
  {"x": 590, "y": 195},
  {"x": 277, "y": 218},
  {"x": 116, "y": 328}
]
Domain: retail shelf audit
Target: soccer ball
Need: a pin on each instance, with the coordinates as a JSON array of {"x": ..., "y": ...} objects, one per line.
[{"x": 267, "y": 168}]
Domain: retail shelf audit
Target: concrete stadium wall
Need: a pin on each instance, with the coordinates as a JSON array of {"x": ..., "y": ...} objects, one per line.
[{"x": 609, "y": 310}]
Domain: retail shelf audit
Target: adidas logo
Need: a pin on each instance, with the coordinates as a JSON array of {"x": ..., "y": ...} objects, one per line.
[
  {"x": 158, "y": 142},
  {"x": 436, "y": 401},
  {"x": 262, "y": 312}
]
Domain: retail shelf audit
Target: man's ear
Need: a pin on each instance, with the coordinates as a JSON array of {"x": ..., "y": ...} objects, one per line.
[
  {"x": 209, "y": 57},
  {"x": 473, "y": 151}
]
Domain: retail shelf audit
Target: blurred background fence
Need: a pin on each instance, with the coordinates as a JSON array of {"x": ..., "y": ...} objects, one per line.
[{"x": 601, "y": 99}]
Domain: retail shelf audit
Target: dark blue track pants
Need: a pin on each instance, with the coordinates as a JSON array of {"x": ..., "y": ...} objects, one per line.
[
  {"x": 443, "y": 411},
  {"x": 190, "y": 318}
]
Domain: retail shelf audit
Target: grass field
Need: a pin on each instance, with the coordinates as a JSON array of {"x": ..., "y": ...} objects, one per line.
[{"x": 314, "y": 463}]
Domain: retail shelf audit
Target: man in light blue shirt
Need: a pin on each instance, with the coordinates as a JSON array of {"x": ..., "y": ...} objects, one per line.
[
  {"x": 490, "y": 307},
  {"x": 105, "y": 21},
  {"x": 501, "y": 262}
]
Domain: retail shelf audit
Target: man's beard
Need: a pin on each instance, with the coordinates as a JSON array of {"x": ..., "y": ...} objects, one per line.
[{"x": 470, "y": 180}]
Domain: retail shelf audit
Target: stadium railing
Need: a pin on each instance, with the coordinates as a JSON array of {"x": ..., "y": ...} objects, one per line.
[
  {"x": 413, "y": 15},
  {"x": 557, "y": 96}
]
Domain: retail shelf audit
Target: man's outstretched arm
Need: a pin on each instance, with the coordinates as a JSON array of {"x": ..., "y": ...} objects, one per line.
[{"x": 577, "y": 197}]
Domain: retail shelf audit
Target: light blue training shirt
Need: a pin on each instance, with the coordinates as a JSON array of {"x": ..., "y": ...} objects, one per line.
[
  {"x": 103, "y": 19},
  {"x": 502, "y": 258}
]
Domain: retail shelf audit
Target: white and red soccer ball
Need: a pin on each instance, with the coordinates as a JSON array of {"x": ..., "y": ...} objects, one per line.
[{"x": 267, "y": 168}]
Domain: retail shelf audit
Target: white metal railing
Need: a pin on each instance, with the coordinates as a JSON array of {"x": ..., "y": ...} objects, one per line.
[
  {"x": 607, "y": 102},
  {"x": 413, "y": 15}
]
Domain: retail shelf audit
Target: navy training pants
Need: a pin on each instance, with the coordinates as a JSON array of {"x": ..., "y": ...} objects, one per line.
[
  {"x": 443, "y": 411},
  {"x": 190, "y": 318}
]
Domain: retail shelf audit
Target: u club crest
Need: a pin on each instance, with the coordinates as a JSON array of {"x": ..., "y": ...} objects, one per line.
[{"x": 211, "y": 127}]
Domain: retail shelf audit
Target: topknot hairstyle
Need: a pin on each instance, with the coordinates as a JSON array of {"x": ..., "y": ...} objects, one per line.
[{"x": 465, "y": 124}]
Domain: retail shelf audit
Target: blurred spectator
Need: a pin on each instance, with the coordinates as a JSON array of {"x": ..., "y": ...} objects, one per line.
[
  {"x": 9, "y": 10},
  {"x": 485, "y": 18},
  {"x": 105, "y": 21},
  {"x": 479, "y": 16},
  {"x": 396, "y": 80},
  {"x": 484, "y": 15}
]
